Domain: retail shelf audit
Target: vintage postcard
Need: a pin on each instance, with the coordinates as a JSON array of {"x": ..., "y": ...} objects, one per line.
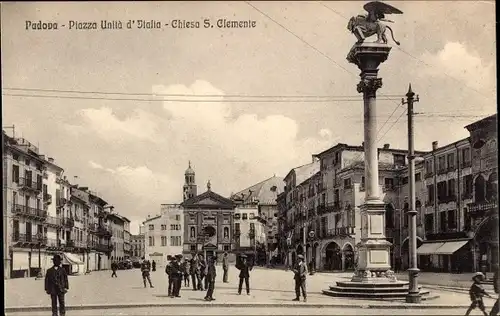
[{"x": 250, "y": 158}]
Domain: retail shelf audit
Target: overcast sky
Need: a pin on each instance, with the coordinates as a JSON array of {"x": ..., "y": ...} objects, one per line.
[{"x": 135, "y": 152}]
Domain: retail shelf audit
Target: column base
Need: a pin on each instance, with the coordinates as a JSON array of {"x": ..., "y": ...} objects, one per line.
[
  {"x": 381, "y": 277},
  {"x": 413, "y": 298}
]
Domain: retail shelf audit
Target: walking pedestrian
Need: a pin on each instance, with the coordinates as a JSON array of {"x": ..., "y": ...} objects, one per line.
[
  {"x": 225, "y": 268},
  {"x": 177, "y": 275},
  {"x": 476, "y": 294},
  {"x": 245, "y": 269},
  {"x": 56, "y": 285},
  {"x": 193, "y": 271},
  {"x": 168, "y": 271},
  {"x": 114, "y": 267},
  {"x": 145, "y": 269},
  {"x": 300, "y": 273},
  {"x": 186, "y": 271},
  {"x": 154, "y": 266},
  {"x": 210, "y": 277},
  {"x": 201, "y": 272},
  {"x": 496, "y": 280}
]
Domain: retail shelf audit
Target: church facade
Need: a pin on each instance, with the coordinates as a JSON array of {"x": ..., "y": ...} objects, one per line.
[{"x": 208, "y": 220}]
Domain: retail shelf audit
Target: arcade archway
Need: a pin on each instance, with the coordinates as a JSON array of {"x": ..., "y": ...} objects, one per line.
[
  {"x": 333, "y": 257},
  {"x": 403, "y": 262},
  {"x": 348, "y": 253}
]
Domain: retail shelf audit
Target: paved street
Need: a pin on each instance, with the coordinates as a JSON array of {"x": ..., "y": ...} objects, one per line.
[
  {"x": 251, "y": 311},
  {"x": 270, "y": 287}
]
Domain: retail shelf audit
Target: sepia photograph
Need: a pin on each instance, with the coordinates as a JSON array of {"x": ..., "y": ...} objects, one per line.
[{"x": 249, "y": 158}]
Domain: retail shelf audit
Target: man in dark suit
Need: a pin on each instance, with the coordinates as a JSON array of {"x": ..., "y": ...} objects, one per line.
[
  {"x": 202, "y": 265},
  {"x": 225, "y": 267},
  {"x": 114, "y": 267},
  {"x": 245, "y": 269},
  {"x": 300, "y": 272},
  {"x": 168, "y": 271},
  {"x": 145, "y": 269},
  {"x": 194, "y": 271},
  {"x": 177, "y": 276},
  {"x": 56, "y": 285},
  {"x": 210, "y": 277}
]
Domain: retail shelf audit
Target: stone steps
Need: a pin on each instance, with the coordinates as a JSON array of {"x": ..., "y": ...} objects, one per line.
[{"x": 373, "y": 290}]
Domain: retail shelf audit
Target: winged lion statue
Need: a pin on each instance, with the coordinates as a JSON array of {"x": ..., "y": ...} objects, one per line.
[{"x": 366, "y": 25}]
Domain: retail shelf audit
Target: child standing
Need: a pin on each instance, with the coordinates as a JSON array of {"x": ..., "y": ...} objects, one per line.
[{"x": 476, "y": 294}]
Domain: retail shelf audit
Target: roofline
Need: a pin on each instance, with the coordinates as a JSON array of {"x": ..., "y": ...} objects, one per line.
[
  {"x": 448, "y": 146},
  {"x": 361, "y": 148},
  {"x": 293, "y": 169},
  {"x": 150, "y": 219},
  {"x": 475, "y": 124},
  {"x": 246, "y": 189}
]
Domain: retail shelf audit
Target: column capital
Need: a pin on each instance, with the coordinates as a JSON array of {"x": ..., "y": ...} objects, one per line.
[{"x": 369, "y": 85}]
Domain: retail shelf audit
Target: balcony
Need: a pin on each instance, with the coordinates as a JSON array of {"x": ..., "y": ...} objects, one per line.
[
  {"x": 53, "y": 243},
  {"x": 466, "y": 164},
  {"x": 47, "y": 199},
  {"x": 93, "y": 227},
  {"x": 429, "y": 174},
  {"x": 451, "y": 169},
  {"x": 482, "y": 207},
  {"x": 29, "y": 239},
  {"x": 68, "y": 222},
  {"x": 442, "y": 171},
  {"x": 467, "y": 196},
  {"x": 29, "y": 212},
  {"x": 53, "y": 221},
  {"x": 339, "y": 231},
  {"x": 333, "y": 207},
  {"x": 103, "y": 248},
  {"x": 31, "y": 185},
  {"x": 429, "y": 203},
  {"x": 447, "y": 199},
  {"x": 103, "y": 231},
  {"x": 70, "y": 243}
]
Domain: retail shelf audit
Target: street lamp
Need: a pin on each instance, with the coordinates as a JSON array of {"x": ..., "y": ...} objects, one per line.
[
  {"x": 288, "y": 247},
  {"x": 312, "y": 233}
]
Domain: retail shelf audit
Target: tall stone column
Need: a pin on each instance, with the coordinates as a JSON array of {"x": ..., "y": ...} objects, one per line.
[{"x": 374, "y": 249}]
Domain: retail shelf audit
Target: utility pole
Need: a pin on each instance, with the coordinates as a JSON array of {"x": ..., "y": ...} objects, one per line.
[{"x": 413, "y": 290}]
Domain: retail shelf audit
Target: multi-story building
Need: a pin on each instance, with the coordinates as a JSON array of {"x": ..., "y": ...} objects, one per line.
[
  {"x": 138, "y": 246},
  {"x": 164, "y": 234},
  {"x": 249, "y": 231},
  {"x": 24, "y": 215},
  {"x": 117, "y": 226},
  {"x": 456, "y": 204},
  {"x": 264, "y": 219},
  {"x": 294, "y": 209},
  {"x": 127, "y": 246},
  {"x": 44, "y": 214},
  {"x": 322, "y": 210},
  {"x": 461, "y": 210}
]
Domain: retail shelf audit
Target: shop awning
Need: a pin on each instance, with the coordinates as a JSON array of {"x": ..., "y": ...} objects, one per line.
[
  {"x": 450, "y": 247},
  {"x": 429, "y": 248},
  {"x": 72, "y": 258}
]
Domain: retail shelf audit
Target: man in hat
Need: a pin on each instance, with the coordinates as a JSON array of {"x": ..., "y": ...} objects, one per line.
[
  {"x": 476, "y": 293},
  {"x": 245, "y": 269},
  {"x": 300, "y": 273},
  {"x": 177, "y": 276},
  {"x": 193, "y": 270},
  {"x": 145, "y": 269},
  {"x": 225, "y": 267},
  {"x": 202, "y": 265},
  {"x": 168, "y": 271},
  {"x": 56, "y": 285},
  {"x": 114, "y": 267},
  {"x": 210, "y": 278}
]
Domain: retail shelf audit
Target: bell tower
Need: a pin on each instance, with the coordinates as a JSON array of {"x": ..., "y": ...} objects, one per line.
[{"x": 189, "y": 189}]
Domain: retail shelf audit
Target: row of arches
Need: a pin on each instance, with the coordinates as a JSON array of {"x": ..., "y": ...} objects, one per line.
[{"x": 330, "y": 257}]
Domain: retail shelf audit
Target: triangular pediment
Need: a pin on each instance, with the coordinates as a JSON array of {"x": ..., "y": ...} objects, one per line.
[{"x": 208, "y": 199}]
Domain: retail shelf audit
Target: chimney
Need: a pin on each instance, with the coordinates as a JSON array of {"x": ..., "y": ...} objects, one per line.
[
  {"x": 50, "y": 159},
  {"x": 387, "y": 146},
  {"x": 434, "y": 145}
]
